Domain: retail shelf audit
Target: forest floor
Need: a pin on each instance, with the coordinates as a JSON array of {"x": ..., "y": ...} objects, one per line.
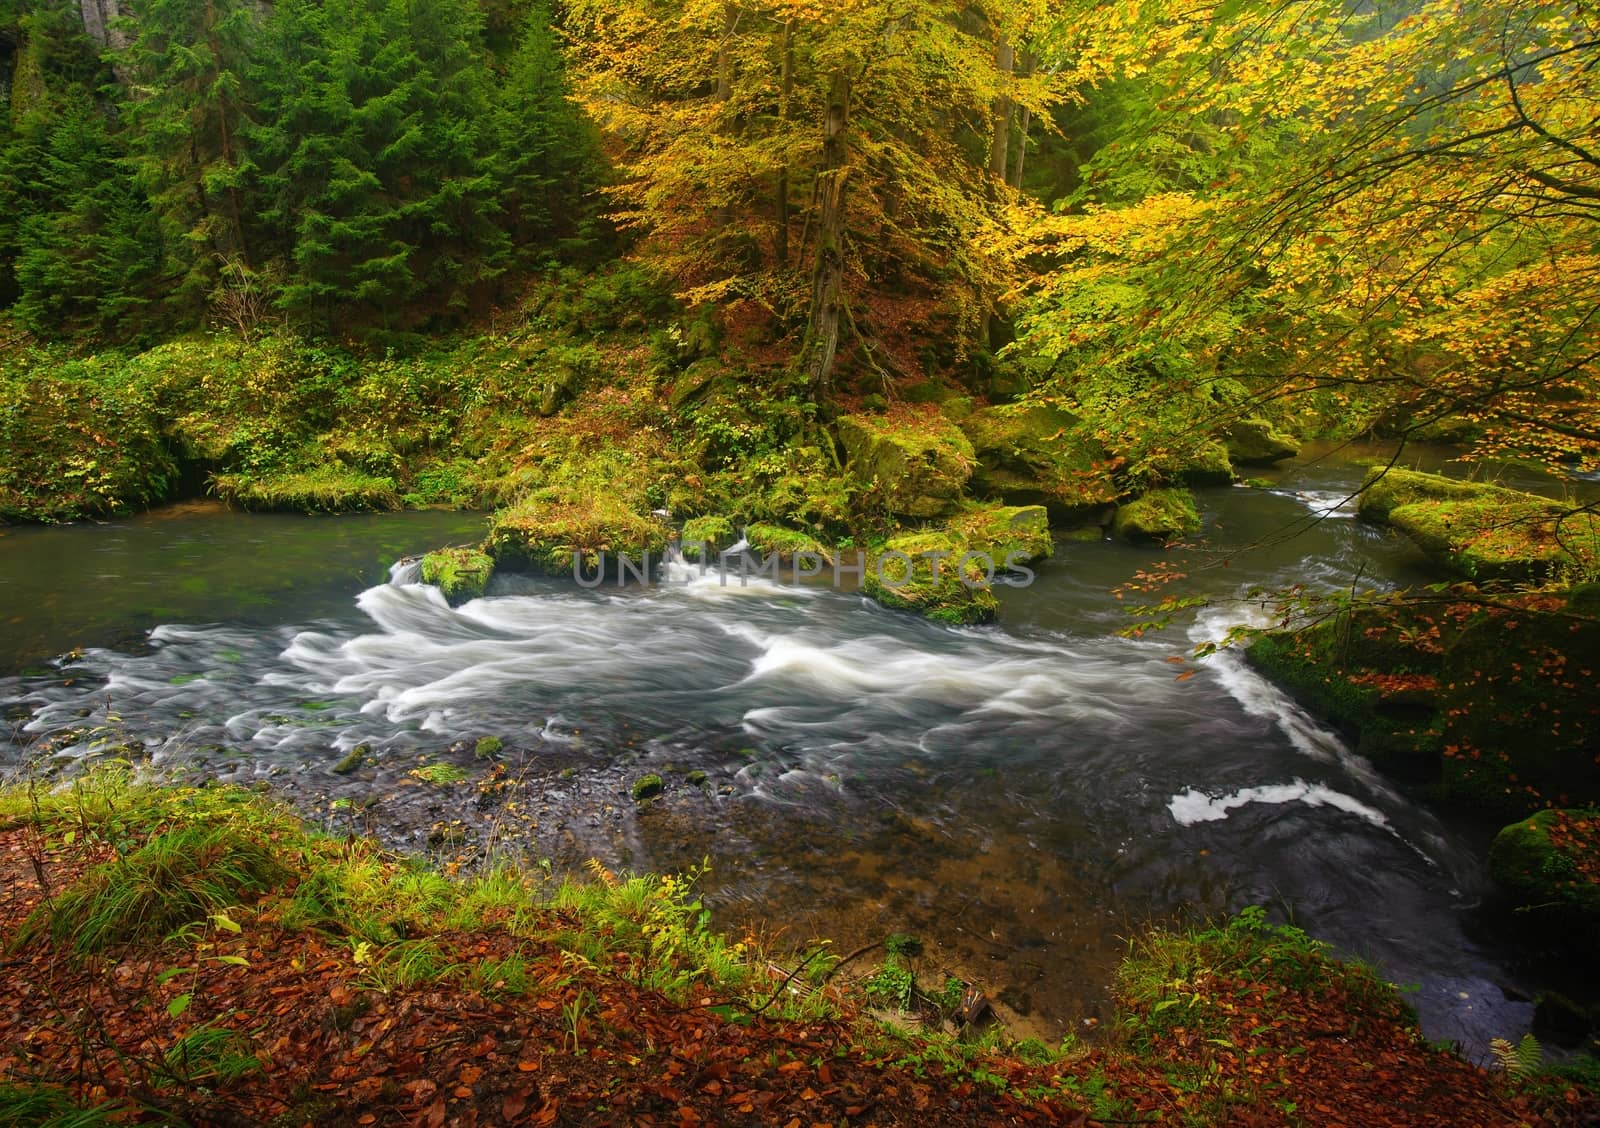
[{"x": 196, "y": 957}]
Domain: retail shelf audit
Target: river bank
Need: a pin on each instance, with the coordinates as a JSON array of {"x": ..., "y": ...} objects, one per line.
[
  {"x": 235, "y": 965},
  {"x": 1010, "y": 793}
]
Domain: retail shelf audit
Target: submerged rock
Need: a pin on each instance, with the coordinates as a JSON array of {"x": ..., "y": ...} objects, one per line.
[
  {"x": 1481, "y": 531},
  {"x": 1160, "y": 516},
  {"x": 460, "y": 574},
  {"x": 917, "y": 463}
]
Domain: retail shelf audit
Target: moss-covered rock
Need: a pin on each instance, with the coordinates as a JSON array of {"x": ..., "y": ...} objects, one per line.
[
  {"x": 916, "y": 462},
  {"x": 330, "y": 488},
  {"x": 460, "y": 574},
  {"x": 1204, "y": 465},
  {"x": 554, "y": 529},
  {"x": 646, "y": 787},
  {"x": 1032, "y": 455},
  {"x": 1482, "y": 531},
  {"x": 1550, "y": 865},
  {"x": 777, "y": 540},
  {"x": 1004, "y": 532},
  {"x": 923, "y": 572},
  {"x": 703, "y": 537},
  {"x": 1160, "y": 516},
  {"x": 1256, "y": 442},
  {"x": 948, "y": 573},
  {"x": 1490, "y": 704}
]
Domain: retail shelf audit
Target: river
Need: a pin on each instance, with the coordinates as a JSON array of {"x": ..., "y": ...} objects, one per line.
[{"x": 1022, "y": 796}]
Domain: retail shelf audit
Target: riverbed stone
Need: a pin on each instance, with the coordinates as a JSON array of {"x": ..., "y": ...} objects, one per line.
[
  {"x": 916, "y": 462},
  {"x": 1017, "y": 532},
  {"x": 552, "y": 527},
  {"x": 1481, "y": 531},
  {"x": 460, "y": 574},
  {"x": 1160, "y": 516},
  {"x": 1034, "y": 455},
  {"x": 1550, "y": 864},
  {"x": 1256, "y": 442}
]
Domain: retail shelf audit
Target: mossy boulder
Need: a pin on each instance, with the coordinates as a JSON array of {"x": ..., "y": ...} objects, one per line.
[
  {"x": 1491, "y": 704},
  {"x": 923, "y": 572},
  {"x": 1256, "y": 442},
  {"x": 460, "y": 574},
  {"x": 1033, "y": 455},
  {"x": 916, "y": 463},
  {"x": 781, "y": 541},
  {"x": 555, "y": 529},
  {"x": 1481, "y": 531},
  {"x": 1016, "y": 532},
  {"x": 1207, "y": 464},
  {"x": 647, "y": 787},
  {"x": 1550, "y": 865},
  {"x": 704, "y": 537},
  {"x": 947, "y": 574},
  {"x": 1160, "y": 516}
]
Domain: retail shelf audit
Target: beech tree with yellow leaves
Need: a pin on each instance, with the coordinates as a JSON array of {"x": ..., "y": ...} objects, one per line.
[
  {"x": 1395, "y": 216},
  {"x": 821, "y": 160}
]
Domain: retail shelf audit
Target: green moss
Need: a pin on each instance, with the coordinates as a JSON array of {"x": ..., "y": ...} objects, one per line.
[
  {"x": 460, "y": 574},
  {"x": 706, "y": 535},
  {"x": 1557, "y": 880},
  {"x": 915, "y": 464},
  {"x": 646, "y": 787},
  {"x": 325, "y": 489},
  {"x": 552, "y": 528},
  {"x": 1162, "y": 516},
  {"x": 1019, "y": 532},
  {"x": 695, "y": 778},
  {"x": 1256, "y": 442},
  {"x": 353, "y": 759},
  {"x": 488, "y": 747},
  {"x": 439, "y": 774},
  {"x": 1205, "y": 465},
  {"x": 1482, "y": 531},
  {"x": 905, "y": 578},
  {"x": 779, "y": 541},
  {"x": 1036, "y": 455}
]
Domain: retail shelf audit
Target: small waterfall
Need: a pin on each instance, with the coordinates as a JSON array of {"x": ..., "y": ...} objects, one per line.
[{"x": 405, "y": 571}]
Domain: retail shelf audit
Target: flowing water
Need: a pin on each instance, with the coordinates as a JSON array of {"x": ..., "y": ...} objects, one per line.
[{"x": 1020, "y": 795}]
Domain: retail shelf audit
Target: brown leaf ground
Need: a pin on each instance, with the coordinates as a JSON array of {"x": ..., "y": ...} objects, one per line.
[{"x": 587, "y": 1045}]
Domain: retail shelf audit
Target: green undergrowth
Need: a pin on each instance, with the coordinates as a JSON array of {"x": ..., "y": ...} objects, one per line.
[
  {"x": 180, "y": 861},
  {"x": 173, "y": 870},
  {"x": 1487, "y": 700}
]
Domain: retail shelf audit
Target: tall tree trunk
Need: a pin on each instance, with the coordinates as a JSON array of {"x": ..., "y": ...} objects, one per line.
[
  {"x": 827, "y": 277},
  {"x": 1024, "y": 120},
  {"x": 226, "y": 137},
  {"x": 787, "y": 83},
  {"x": 730, "y": 21},
  {"x": 1004, "y": 60}
]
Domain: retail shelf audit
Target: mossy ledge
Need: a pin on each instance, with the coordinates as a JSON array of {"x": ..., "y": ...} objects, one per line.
[
  {"x": 269, "y": 957},
  {"x": 1481, "y": 531}
]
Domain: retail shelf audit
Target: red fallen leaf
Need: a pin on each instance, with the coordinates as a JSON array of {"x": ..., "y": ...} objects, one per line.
[
  {"x": 512, "y": 1106},
  {"x": 547, "y": 1114},
  {"x": 436, "y": 1114}
]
